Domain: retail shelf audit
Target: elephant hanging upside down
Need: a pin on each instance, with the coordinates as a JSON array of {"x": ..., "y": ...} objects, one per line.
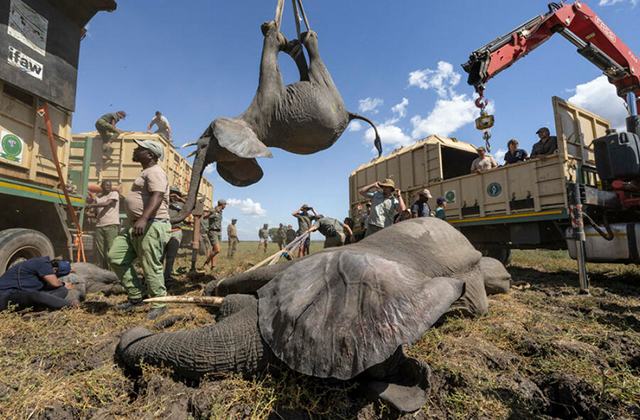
[{"x": 304, "y": 117}]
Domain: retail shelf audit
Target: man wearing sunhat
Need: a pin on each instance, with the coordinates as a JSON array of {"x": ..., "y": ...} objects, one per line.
[
  {"x": 106, "y": 126},
  {"x": 421, "y": 207},
  {"x": 147, "y": 208},
  {"x": 382, "y": 204},
  {"x": 171, "y": 250},
  {"x": 232, "y": 234},
  {"x": 215, "y": 232},
  {"x": 546, "y": 146},
  {"x": 483, "y": 162}
]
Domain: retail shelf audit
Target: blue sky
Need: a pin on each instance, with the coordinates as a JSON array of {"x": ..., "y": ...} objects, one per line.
[{"x": 396, "y": 62}]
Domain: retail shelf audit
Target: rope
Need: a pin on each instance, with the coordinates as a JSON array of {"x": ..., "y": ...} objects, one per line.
[
  {"x": 298, "y": 4},
  {"x": 279, "y": 10},
  {"x": 44, "y": 111}
]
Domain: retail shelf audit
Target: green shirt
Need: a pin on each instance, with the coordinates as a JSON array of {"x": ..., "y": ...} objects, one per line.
[
  {"x": 440, "y": 213},
  {"x": 109, "y": 117},
  {"x": 304, "y": 222},
  {"x": 329, "y": 227},
  {"x": 215, "y": 220}
]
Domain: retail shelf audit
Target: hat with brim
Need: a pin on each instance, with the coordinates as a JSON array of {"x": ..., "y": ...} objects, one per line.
[
  {"x": 222, "y": 202},
  {"x": 175, "y": 190},
  {"x": 481, "y": 148},
  {"x": 123, "y": 114},
  {"x": 234, "y": 220},
  {"x": 442, "y": 200},
  {"x": 152, "y": 146},
  {"x": 425, "y": 193},
  {"x": 388, "y": 183}
]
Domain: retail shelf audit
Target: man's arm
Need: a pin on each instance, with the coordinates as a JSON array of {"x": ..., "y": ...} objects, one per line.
[
  {"x": 401, "y": 205},
  {"x": 474, "y": 168},
  {"x": 113, "y": 123},
  {"x": 494, "y": 164},
  {"x": 363, "y": 191},
  {"x": 152, "y": 207},
  {"x": 150, "y": 125},
  {"x": 314, "y": 212},
  {"x": 169, "y": 129},
  {"x": 295, "y": 213},
  {"x": 104, "y": 204},
  {"x": 52, "y": 280}
]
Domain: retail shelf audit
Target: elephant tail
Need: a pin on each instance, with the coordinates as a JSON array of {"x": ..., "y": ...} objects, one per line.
[{"x": 377, "y": 143}]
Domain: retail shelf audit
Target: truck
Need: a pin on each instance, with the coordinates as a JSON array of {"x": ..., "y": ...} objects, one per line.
[
  {"x": 43, "y": 172},
  {"x": 594, "y": 176}
]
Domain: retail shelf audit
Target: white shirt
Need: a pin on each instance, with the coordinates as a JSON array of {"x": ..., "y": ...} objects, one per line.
[{"x": 162, "y": 123}]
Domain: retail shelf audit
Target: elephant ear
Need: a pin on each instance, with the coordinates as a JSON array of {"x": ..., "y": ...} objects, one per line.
[
  {"x": 343, "y": 311},
  {"x": 240, "y": 172},
  {"x": 237, "y": 137}
]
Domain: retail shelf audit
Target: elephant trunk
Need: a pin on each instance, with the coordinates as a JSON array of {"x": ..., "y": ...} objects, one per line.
[
  {"x": 233, "y": 345},
  {"x": 194, "y": 185}
]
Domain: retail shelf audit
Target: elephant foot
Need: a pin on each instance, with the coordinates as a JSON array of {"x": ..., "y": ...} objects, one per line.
[{"x": 271, "y": 29}]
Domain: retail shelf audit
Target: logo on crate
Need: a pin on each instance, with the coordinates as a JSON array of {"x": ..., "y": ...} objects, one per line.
[
  {"x": 25, "y": 63},
  {"x": 494, "y": 189},
  {"x": 11, "y": 147},
  {"x": 450, "y": 196}
]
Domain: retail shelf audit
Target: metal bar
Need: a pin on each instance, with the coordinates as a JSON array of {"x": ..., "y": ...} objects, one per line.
[
  {"x": 631, "y": 103},
  {"x": 577, "y": 224}
]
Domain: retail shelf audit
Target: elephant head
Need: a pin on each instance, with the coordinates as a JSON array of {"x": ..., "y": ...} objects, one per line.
[{"x": 304, "y": 117}]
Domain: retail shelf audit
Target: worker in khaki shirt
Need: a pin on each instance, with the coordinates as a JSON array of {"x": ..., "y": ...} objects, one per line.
[
  {"x": 108, "y": 215},
  {"x": 483, "y": 162},
  {"x": 332, "y": 229},
  {"x": 232, "y": 233},
  {"x": 147, "y": 208}
]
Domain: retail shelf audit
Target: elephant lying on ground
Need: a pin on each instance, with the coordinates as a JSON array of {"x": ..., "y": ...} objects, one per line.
[
  {"x": 340, "y": 313},
  {"x": 94, "y": 279},
  {"x": 304, "y": 117}
]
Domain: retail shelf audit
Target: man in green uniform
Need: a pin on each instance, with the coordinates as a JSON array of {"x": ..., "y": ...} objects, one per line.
[
  {"x": 173, "y": 246},
  {"x": 147, "y": 208},
  {"x": 106, "y": 126},
  {"x": 108, "y": 221},
  {"x": 304, "y": 223},
  {"x": 332, "y": 229},
  {"x": 263, "y": 234},
  {"x": 232, "y": 233},
  {"x": 215, "y": 232},
  {"x": 281, "y": 236}
]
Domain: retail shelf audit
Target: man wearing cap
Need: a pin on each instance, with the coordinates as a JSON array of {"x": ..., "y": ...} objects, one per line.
[
  {"x": 232, "y": 233},
  {"x": 483, "y": 162},
  {"x": 281, "y": 236},
  {"x": 147, "y": 208},
  {"x": 291, "y": 234},
  {"x": 164, "y": 129},
  {"x": 304, "y": 223},
  {"x": 441, "y": 202},
  {"x": 263, "y": 235},
  {"x": 171, "y": 249},
  {"x": 382, "y": 205},
  {"x": 35, "y": 283},
  {"x": 108, "y": 221},
  {"x": 546, "y": 146},
  {"x": 332, "y": 229},
  {"x": 421, "y": 207},
  {"x": 215, "y": 232},
  {"x": 106, "y": 126}
]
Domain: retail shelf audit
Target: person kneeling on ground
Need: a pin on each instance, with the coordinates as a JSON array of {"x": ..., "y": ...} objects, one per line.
[
  {"x": 34, "y": 284},
  {"x": 332, "y": 229}
]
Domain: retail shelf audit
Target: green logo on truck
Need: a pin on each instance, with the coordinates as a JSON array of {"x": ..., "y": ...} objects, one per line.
[
  {"x": 11, "y": 147},
  {"x": 494, "y": 189},
  {"x": 450, "y": 196}
]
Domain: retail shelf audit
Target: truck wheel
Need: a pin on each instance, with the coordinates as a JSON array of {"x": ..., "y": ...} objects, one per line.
[
  {"x": 504, "y": 255},
  {"x": 17, "y": 245}
]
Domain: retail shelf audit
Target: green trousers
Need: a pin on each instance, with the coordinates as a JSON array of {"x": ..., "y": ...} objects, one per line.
[
  {"x": 107, "y": 132},
  {"x": 104, "y": 237},
  {"x": 147, "y": 249}
]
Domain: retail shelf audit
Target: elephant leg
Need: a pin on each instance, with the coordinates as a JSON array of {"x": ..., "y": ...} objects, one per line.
[
  {"x": 318, "y": 72},
  {"x": 270, "y": 86},
  {"x": 295, "y": 51},
  {"x": 233, "y": 304}
]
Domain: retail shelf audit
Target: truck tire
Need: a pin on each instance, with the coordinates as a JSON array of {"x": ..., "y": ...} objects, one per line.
[
  {"x": 17, "y": 245},
  {"x": 504, "y": 255}
]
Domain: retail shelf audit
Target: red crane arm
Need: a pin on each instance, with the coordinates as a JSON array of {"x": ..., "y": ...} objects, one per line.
[{"x": 577, "y": 23}]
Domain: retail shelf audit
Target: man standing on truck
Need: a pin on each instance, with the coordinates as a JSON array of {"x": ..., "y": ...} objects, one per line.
[
  {"x": 106, "y": 126},
  {"x": 232, "y": 234},
  {"x": 171, "y": 250},
  {"x": 421, "y": 207},
  {"x": 514, "y": 155},
  {"x": 147, "y": 208},
  {"x": 215, "y": 232},
  {"x": 108, "y": 223},
  {"x": 546, "y": 146},
  {"x": 483, "y": 163},
  {"x": 382, "y": 205},
  {"x": 164, "y": 129},
  {"x": 304, "y": 223}
]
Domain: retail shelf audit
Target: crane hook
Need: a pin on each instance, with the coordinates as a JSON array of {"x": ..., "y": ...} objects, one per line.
[{"x": 479, "y": 102}]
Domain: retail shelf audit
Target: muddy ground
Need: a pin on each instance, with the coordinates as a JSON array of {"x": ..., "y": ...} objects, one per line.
[{"x": 543, "y": 352}]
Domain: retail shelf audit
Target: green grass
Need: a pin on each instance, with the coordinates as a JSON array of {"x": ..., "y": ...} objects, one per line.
[{"x": 62, "y": 363}]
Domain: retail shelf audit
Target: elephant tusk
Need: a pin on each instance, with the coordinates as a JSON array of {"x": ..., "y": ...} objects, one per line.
[
  {"x": 192, "y": 153},
  {"x": 192, "y": 300},
  {"x": 188, "y": 144}
]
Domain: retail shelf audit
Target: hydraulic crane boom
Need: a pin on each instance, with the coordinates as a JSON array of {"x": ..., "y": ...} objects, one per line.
[{"x": 578, "y": 24}]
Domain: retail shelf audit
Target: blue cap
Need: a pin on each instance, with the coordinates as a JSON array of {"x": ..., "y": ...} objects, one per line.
[
  {"x": 442, "y": 200},
  {"x": 64, "y": 268}
]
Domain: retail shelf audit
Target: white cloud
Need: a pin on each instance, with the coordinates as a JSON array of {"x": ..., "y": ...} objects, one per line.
[
  {"x": 210, "y": 169},
  {"x": 370, "y": 105},
  {"x": 401, "y": 109},
  {"x": 600, "y": 97},
  {"x": 612, "y": 2},
  {"x": 355, "y": 126},
  {"x": 499, "y": 156},
  {"x": 247, "y": 207},
  {"x": 448, "y": 116},
  {"x": 442, "y": 80},
  {"x": 391, "y": 135}
]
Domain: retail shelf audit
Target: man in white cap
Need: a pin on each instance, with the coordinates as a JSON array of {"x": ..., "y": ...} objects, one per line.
[
  {"x": 215, "y": 232},
  {"x": 147, "y": 208},
  {"x": 421, "y": 207},
  {"x": 382, "y": 204}
]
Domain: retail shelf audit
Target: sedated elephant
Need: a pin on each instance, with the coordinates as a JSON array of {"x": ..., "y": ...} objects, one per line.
[
  {"x": 339, "y": 313},
  {"x": 304, "y": 117}
]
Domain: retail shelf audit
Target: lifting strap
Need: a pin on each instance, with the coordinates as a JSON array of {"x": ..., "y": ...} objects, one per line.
[
  {"x": 298, "y": 11},
  {"x": 44, "y": 111}
]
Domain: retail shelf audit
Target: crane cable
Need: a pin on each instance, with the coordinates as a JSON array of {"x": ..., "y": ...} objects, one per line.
[{"x": 44, "y": 111}]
